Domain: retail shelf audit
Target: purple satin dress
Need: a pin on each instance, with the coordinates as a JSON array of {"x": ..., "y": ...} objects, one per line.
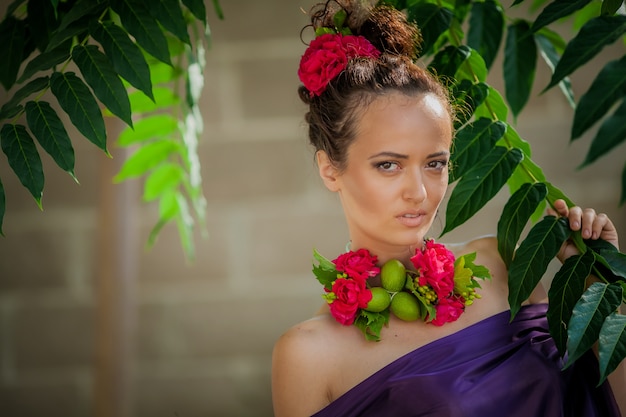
[{"x": 490, "y": 369}]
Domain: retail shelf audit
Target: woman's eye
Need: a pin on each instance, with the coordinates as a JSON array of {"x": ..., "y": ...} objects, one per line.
[
  {"x": 387, "y": 166},
  {"x": 438, "y": 164}
]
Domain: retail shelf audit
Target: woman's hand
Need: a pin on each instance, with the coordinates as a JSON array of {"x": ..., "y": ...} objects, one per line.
[{"x": 592, "y": 225}]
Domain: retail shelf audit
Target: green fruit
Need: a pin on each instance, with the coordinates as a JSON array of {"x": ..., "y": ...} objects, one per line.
[
  {"x": 405, "y": 307},
  {"x": 393, "y": 275},
  {"x": 380, "y": 300}
]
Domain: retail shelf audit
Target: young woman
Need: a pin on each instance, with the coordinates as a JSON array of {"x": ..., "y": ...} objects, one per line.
[{"x": 382, "y": 130}]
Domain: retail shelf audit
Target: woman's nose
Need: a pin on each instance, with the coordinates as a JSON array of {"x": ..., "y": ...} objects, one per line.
[{"x": 414, "y": 188}]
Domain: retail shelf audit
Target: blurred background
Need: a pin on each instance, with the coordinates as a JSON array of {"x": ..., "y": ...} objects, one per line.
[{"x": 94, "y": 323}]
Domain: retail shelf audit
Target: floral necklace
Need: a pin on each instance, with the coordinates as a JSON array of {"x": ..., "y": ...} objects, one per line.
[{"x": 437, "y": 291}]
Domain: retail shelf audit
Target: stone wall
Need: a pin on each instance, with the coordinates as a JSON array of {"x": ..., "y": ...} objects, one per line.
[{"x": 201, "y": 333}]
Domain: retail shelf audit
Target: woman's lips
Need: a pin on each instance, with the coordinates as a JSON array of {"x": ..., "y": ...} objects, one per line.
[{"x": 411, "y": 219}]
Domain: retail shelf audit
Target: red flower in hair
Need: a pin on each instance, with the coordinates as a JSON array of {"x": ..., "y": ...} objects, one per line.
[{"x": 327, "y": 56}]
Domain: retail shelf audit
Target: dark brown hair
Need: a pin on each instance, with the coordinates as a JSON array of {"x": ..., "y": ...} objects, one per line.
[{"x": 332, "y": 116}]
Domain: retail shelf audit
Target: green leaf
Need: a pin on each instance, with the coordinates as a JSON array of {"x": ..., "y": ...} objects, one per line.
[
  {"x": 126, "y": 57},
  {"x": 515, "y": 215},
  {"x": 480, "y": 184},
  {"x": 473, "y": 68},
  {"x": 612, "y": 346},
  {"x": 3, "y": 206},
  {"x": 218, "y": 9},
  {"x": 472, "y": 143},
  {"x": 554, "y": 38},
  {"x": 48, "y": 129},
  {"x": 486, "y": 26},
  {"x": 46, "y": 61},
  {"x": 196, "y": 7},
  {"x": 168, "y": 210},
  {"x": 12, "y": 34},
  {"x": 170, "y": 15},
  {"x": 157, "y": 126},
  {"x": 493, "y": 107},
  {"x": 593, "y": 36},
  {"x": 520, "y": 60},
  {"x": 103, "y": 79},
  {"x": 34, "y": 86},
  {"x": 325, "y": 272},
  {"x": 76, "y": 100},
  {"x": 371, "y": 324},
  {"x": 468, "y": 96},
  {"x": 14, "y": 6},
  {"x": 146, "y": 158},
  {"x": 163, "y": 97},
  {"x": 146, "y": 31},
  {"x": 41, "y": 21},
  {"x": 612, "y": 132},
  {"x": 566, "y": 288},
  {"x": 163, "y": 179},
  {"x": 608, "y": 87},
  {"x": 77, "y": 29},
  {"x": 556, "y": 194},
  {"x": 616, "y": 262},
  {"x": 594, "y": 306},
  {"x": 23, "y": 158},
  {"x": 432, "y": 21},
  {"x": 551, "y": 58},
  {"x": 610, "y": 7},
  {"x": 447, "y": 61},
  {"x": 532, "y": 258},
  {"x": 556, "y": 10},
  {"x": 82, "y": 10}
]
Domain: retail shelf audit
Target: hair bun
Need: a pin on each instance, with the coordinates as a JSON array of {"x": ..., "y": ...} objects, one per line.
[{"x": 389, "y": 31}]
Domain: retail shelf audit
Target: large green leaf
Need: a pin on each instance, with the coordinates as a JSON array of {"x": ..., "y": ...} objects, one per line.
[
  {"x": 556, "y": 10},
  {"x": 197, "y": 8},
  {"x": 432, "y": 21},
  {"x": 103, "y": 80},
  {"x": 163, "y": 179},
  {"x": 48, "y": 129},
  {"x": 34, "y": 86},
  {"x": 126, "y": 57},
  {"x": 473, "y": 68},
  {"x": 610, "y": 7},
  {"x": 146, "y": 158},
  {"x": 82, "y": 10},
  {"x": 23, "y": 158},
  {"x": 480, "y": 184},
  {"x": 532, "y": 258},
  {"x": 515, "y": 215},
  {"x": 169, "y": 14},
  {"x": 612, "y": 132},
  {"x": 12, "y": 34},
  {"x": 46, "y": 61},
  {"x": 41, "y": 21},
  {"x": 152, "y": 127},
  {"x": 520, "y": 61},
  {"x": 551, "y": 57},
  {"x": 472, "y": 143},
  {"x": 76, "y": 30},
  {"x": 468, "y": 96},
  {"x": 608, "y": 87},
  {"x": 593, "y": 36},
  {"x": 612, "y": 346},
  {"x": 78, "y": 102},
  {"x": 447, "y": 61},
  {"x": 3, "y": 206},
  {"x": 493, "y": 107},
  {"x": 486, "y": 26},
  {"x": 146, "y": 31},
  {"x": 616, "y": 262},
  {"x": 566, "y": 288},
  {"x": 594, "y": 306}
]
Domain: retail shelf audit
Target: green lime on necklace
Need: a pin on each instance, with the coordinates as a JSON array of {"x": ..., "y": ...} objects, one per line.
[
  {"x": 404, "y": 306},
  {"x": 393, "y": 275},
  {"x": 380, "y": 300}
]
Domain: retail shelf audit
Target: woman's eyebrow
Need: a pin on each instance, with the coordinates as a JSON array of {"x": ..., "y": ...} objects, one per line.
[{"x": 389, "y": 155}]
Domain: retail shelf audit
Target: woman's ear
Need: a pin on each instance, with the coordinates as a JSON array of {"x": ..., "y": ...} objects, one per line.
[{"x": 328, "y": 171}]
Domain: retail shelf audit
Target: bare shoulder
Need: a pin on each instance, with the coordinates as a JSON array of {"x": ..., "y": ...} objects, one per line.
[
  {"x": 486, "y": 249},
  {"x": 299, "y": 383}
]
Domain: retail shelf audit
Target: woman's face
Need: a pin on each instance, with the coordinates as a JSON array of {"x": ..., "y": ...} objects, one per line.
[{"x": 396, "y": 173}]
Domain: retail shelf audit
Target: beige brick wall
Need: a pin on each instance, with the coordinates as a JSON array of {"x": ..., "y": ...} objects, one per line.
[{"x": 202, "y": 333}]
